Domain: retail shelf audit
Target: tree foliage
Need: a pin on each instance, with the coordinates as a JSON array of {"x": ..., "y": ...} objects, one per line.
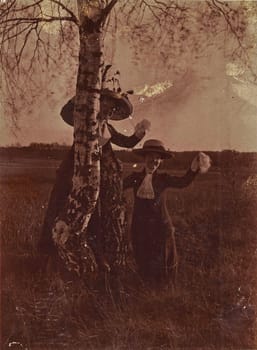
[{"x": 40, "y": 39}]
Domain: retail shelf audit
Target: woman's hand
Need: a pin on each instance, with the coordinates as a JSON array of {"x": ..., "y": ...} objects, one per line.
[
  {"x": 201, "y": 163},
  {"x": 142, "y": 127}
]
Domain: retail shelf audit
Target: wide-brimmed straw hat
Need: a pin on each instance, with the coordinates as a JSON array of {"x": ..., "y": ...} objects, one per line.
[
  {"x": 122, "y": 106},
  {"x": 155, "y": 146}
]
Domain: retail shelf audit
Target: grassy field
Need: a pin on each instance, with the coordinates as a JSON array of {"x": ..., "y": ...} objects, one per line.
[{"x": 213, "y": 306}]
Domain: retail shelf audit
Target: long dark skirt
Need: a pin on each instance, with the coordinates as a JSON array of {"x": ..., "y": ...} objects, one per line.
[{"x": 154, "y": 247}]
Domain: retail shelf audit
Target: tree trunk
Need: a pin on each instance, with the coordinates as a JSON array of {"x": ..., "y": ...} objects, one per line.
[{"x": 69, "y": 232}]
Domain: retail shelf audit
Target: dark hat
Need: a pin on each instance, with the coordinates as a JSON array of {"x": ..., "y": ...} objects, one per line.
[
  {"x": 122, "y": 106},
  {"x": 153, "y": 146}
]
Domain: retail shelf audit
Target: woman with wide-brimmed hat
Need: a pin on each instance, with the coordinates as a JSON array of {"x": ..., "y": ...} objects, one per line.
[
  {"x": 106, "y": 227},
  {"x": 152, "y": 232}
]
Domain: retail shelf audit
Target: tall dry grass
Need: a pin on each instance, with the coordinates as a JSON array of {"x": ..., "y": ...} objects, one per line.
[{"x": 214, "y": 303}]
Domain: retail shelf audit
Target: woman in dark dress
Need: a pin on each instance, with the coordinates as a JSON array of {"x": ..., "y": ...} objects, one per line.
[
  {"x": 152, "y": 232},
  {"x": 105, "y": 234}
]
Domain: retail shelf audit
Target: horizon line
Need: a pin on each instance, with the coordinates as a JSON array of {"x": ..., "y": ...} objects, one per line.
[{"x": 56, "y": 144}]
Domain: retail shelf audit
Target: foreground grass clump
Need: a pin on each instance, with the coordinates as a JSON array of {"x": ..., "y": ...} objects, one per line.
[{"x": 214, "y": 303}]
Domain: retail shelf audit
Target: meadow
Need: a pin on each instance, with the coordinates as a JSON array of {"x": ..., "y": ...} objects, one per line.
[{"x": 213, "y": 306}]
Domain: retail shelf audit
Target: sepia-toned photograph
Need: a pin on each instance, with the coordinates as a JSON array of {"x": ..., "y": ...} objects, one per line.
[{"x": 128, "y": 174}]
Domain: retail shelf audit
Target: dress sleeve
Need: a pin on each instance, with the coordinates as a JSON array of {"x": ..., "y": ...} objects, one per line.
[
  {"x": 63, "y": 184},
  {"x": 179, "y": 181},
  {"x": 58, "y": 197},
  {"x": 123, "y": 140}
]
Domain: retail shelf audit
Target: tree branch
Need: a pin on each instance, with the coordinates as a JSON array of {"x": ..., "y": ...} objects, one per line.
[
  {"x": 28, "y": 6},
  {"x": 19, "y": 20},
  {"x": 107, "y": 10},
  {"x": 67, "y": 9}
]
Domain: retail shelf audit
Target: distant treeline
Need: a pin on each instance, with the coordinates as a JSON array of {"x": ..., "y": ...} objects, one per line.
[{"x": 55, "y": 151}]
